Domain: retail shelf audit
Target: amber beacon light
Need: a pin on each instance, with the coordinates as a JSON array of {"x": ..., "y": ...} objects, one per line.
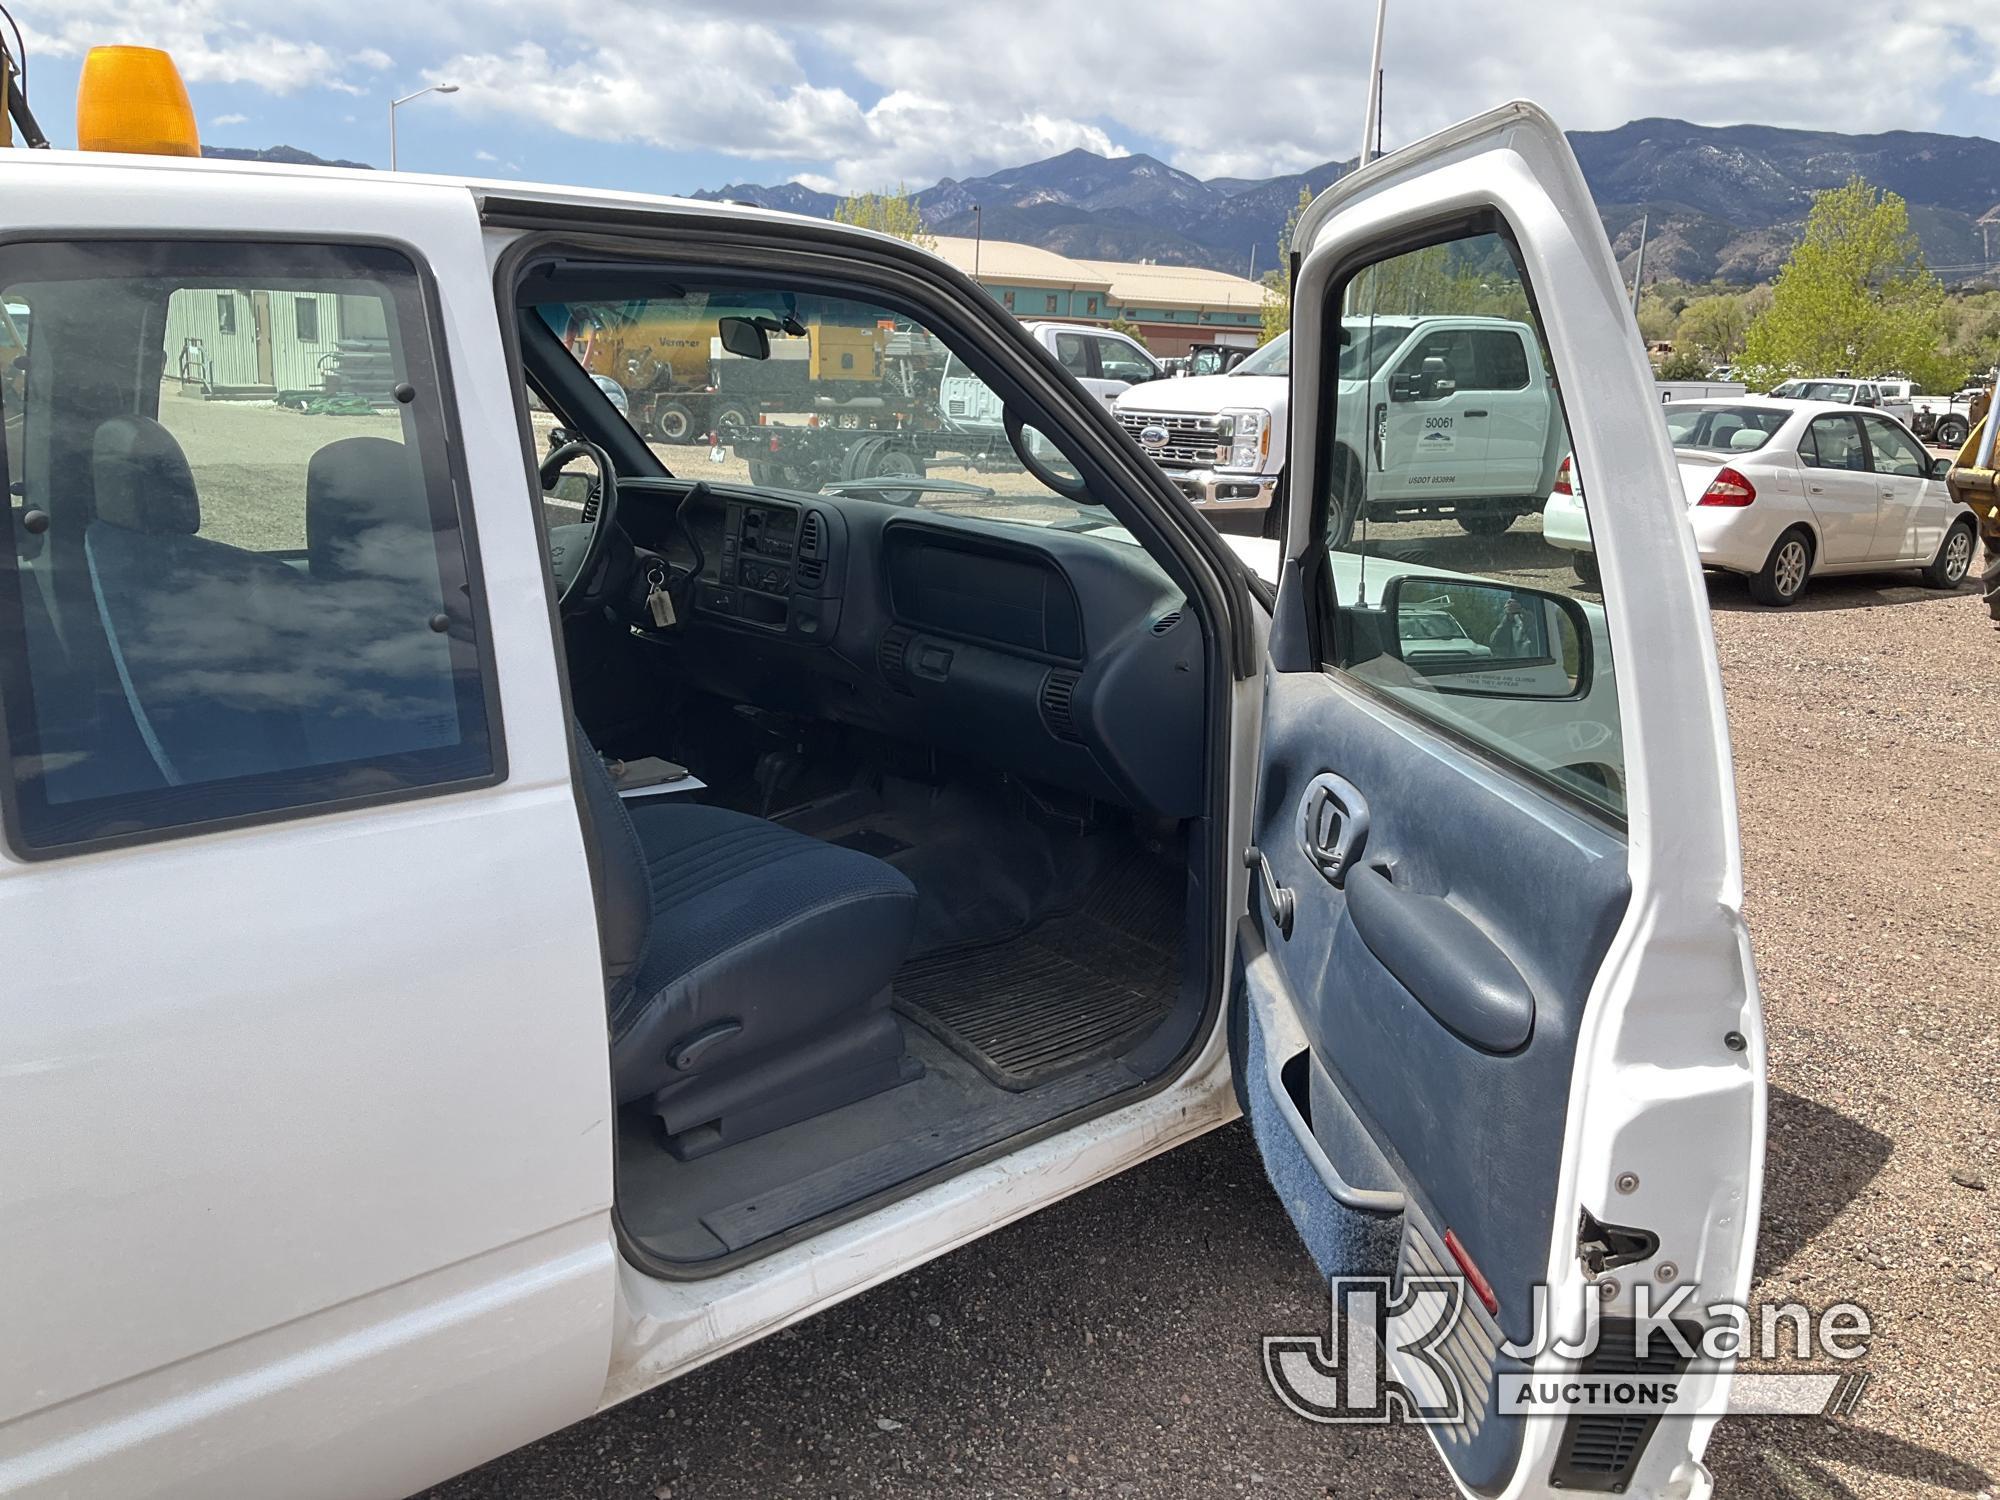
[{"x": 132, "y": 99}]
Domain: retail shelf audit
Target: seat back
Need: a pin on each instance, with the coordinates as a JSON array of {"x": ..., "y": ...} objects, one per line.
[
  {"x": 371, "y": 555},
  {"x": 189, "y": 622},
  {"x": 618, "y": 873}
]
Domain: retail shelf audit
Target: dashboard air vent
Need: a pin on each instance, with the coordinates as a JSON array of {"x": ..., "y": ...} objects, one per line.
[
  {"x": 892, "y": 656},
  {"x": 811, "y": 559},
  {"x": 1058, "y": 691},
  {"x": 1166, "y": 622}
]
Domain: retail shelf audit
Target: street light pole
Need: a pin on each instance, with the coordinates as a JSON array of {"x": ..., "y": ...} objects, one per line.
[
  {"x": 978, "y": 239},
  {"x": 435, "y": 88}
]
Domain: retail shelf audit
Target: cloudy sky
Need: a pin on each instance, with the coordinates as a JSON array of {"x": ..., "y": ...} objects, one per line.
[{"x": 671, "y": 95}]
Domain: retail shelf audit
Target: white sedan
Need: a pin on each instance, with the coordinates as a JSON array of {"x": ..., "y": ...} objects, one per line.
[{"x": 1782, "y": 491}]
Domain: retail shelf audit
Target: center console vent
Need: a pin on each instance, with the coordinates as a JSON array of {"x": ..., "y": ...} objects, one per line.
[
  {"x": 892, "y": 656},
  {"x": 1058, "y": 693},
  {"x": 811, "y": 559}
]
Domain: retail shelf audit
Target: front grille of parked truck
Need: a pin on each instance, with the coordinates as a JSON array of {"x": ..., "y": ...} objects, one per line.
[{"x": 1192, "y": 442}]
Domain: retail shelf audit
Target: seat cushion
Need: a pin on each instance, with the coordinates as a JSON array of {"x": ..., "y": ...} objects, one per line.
[{"x": 753, "y": 926}]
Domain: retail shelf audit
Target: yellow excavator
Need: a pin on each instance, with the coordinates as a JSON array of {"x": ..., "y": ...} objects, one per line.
[{"x": 1974, "y": 482}]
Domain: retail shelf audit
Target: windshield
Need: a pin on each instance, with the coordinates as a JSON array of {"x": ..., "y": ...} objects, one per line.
[
  {"x": 1430, "y": 625},
  {"x": 1275, "y": 358},
  {"x": 1827, "y": 390},
  {"x": 765, "y": 386},
  {"x": 1365, "y": 351},
  {"x": 1728, "y": 429}
]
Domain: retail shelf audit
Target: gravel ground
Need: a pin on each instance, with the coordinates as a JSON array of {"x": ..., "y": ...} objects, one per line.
[{"x": 1109, "y": 1345}]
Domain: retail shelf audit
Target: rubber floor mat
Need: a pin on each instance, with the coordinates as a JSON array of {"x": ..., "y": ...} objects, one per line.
[{"x": 1075, "y": 987}]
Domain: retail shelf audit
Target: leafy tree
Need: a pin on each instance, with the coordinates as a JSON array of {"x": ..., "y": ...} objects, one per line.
[
  {"x": 1684, "y": 364},
  {"x": 1855, "y": 295},
  {"x": 1714, "y": 327},
  {"x": 1278, "y": 283},
  {"x": 889, "y": 213},
  {"x": 1656, "y": 318},
  {"x": 1124, "y": 325}
]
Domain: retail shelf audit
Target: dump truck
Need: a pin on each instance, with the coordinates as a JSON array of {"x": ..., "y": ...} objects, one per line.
[{"x": 1974, "y": 484}]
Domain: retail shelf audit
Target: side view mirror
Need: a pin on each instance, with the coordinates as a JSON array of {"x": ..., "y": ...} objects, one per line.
[
  {"x": 1488, "y": 640},
  {"x": 1940, "y": 467},
  {"x": 1429, "y": 382},
  {"x": 744, "y": 337}
]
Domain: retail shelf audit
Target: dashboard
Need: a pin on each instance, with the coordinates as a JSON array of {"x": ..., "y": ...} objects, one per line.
[{"x": 1064, "y": 657}]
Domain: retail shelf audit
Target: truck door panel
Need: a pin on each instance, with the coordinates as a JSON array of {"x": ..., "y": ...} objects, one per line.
[
  {"x": 1432, "y": 448},
  {"x": 309, "y": 1097},
  {"x": 1492, "y": 853},
  {"x": 1843, "y": 491}
]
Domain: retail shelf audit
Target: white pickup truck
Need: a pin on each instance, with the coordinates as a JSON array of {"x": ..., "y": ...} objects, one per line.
[
  {"x": 1893, "y": 398},
  {"x": 1463, "y": 417},
  {"x": 405, "y": 1056},
  {"x": 1105, "y": 363}
]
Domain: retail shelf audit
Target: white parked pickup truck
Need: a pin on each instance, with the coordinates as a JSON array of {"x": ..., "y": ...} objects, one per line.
[
  {"x": 493, "y": 924},
  {"x": 1105, "y": 363},
  {"x": 1462, "y": 416}
]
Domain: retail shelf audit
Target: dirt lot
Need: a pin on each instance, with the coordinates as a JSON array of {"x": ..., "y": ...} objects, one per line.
[{"x": 1109, "y": 1346}]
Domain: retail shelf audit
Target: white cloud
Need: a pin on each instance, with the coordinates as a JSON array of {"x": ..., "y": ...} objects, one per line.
[
  {"x": 212, "y": 41},
  {"x": 221, "y": 120},
  {"x": 880, "y": 91}
]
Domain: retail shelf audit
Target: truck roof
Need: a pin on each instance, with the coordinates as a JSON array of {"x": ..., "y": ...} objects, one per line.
[
  {"x": 1411, "y": 320},
  {"x": 371, "y": 180}
]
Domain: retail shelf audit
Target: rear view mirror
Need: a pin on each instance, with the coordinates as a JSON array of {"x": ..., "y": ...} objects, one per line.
[
  {"x": 1493, "y": 640},
  {"x": 744, "y": 337}
]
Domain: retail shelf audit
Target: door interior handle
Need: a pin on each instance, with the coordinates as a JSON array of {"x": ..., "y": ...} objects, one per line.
[{"x": 1333, "y": 826}]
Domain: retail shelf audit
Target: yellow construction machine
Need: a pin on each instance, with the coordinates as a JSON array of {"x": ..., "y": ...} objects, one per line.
[{"x": 1974, "y": 482}]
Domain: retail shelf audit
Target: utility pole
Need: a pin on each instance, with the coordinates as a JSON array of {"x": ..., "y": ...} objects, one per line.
[
  {"x": 978, "y": 239},
  {"x": 1639, "y": 268}
]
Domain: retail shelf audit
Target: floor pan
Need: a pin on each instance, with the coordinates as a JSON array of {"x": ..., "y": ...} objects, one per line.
[{"x": 1072, "y": 989}]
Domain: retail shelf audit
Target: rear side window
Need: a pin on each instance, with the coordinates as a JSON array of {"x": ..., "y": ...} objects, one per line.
[
  {"x": 238, "y": 581},
  {"x": 1835, "y": 443}
]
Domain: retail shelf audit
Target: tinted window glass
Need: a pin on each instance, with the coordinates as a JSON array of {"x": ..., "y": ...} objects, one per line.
[
  {"x": 1896, "y": 452},
  {"x": 1727, "y": 429},
  {"x": 251, "y": 593},
  {"x": 1837, "y": 444},
  {"x": 1118, "y": 360},
  {"x": 1074, "y": 352},
  {"x": 1446, "y": 594},
  {"x": 1499, "y": 360}
]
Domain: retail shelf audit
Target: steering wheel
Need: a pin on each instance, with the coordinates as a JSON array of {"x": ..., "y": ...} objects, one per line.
[{"x": 578, "y": 550}]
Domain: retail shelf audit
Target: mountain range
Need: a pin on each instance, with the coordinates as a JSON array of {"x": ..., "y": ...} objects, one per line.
[{"x": 1721, "y": 202}]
